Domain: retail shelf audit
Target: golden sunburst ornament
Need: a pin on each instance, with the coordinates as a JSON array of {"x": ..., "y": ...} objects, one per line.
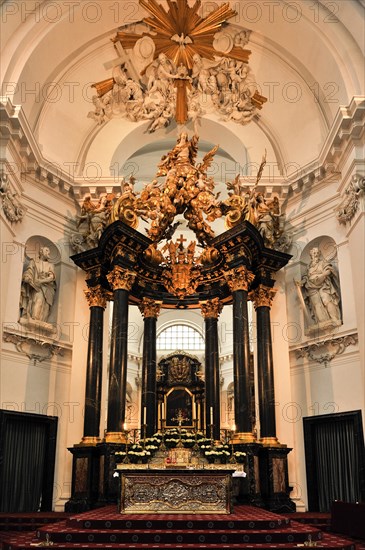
[{"x": 181, "y": 32}]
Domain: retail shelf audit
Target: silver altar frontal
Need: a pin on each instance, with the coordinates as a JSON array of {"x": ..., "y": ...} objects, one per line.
[{"x": 175, "y": 491}]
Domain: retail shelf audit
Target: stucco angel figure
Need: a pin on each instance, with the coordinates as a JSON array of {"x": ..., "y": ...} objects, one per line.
[
  {"x": 320, "y": 287},
  {"x": 38, "y": 288},
  {"x": 94, "y": 218}
]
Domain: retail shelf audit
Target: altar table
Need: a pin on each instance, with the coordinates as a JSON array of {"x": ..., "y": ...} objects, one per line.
[{"x": 167, "y": 491}]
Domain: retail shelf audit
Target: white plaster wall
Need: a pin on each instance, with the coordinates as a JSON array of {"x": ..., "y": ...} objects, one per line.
[
  {"x": 317, "y": 388},
  {"x": 43, "y": 387}
]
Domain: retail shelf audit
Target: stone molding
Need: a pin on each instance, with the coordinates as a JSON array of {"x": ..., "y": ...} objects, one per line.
[
  {"x": 348, "y": 124},
  {"x": 36, "y": 348},
  {"x": 325, "y": 351}
]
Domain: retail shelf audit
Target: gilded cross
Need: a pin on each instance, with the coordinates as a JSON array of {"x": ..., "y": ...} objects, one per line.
[{"x": 181, "y": 241}]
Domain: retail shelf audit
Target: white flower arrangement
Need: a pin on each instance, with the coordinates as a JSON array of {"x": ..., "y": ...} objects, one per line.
[
  {"x": 152, "y": 448},
  {"x": 239, "y": 456}
]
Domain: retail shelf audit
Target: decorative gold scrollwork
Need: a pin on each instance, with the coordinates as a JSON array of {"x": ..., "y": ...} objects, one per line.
[{"x": 124, "y": 208}]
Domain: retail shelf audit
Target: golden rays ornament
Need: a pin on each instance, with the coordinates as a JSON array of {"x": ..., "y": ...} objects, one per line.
[{"x": 181, "y": 32}]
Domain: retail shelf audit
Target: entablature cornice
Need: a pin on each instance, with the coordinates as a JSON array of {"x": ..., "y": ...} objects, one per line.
[
  {"x": 348, "y": 126},
  {"x": 122, "y": 247}
]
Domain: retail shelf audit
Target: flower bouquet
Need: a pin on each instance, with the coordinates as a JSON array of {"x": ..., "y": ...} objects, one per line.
[
  {"x": 119, "y": 456},
  {"x": 239, "y": 456},
  {"x": 218, "y": 455}
]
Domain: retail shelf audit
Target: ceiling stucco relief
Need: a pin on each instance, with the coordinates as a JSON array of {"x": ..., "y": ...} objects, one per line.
[{"x": 307, "y": 62}]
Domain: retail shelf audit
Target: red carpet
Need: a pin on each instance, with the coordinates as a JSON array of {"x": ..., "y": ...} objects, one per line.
[{"x": 247, "y": 527}]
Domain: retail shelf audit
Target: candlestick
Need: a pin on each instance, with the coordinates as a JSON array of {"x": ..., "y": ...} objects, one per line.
[
  {"x": 211, "y": 415},
  {"x": 126, "y": 458},
  {"x": 144, "y": 415}
]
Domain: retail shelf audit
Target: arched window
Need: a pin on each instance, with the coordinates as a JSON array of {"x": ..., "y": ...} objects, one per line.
[{"x": 181, "y": 337}]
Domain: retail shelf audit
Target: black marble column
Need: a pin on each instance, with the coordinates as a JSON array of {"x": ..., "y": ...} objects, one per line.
[
  {"x": 241, "y": 366},
  {"x": 262, "y": 298},
  {"x": 150, "y": 311},
  {"x": 274, "y": 481},
  {"x": 85, "y": 472},
  {"x": 121, "y": 281},
  {"x": 238, "y": 280},
  {"x": 211, "y": 310},
  {"x": 94, "y": 365}
]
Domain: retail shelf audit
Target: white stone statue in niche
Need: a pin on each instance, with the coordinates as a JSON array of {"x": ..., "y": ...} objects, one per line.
[
  {"x": 38, "y": 288},
  {"x": 321, "y": 290}
]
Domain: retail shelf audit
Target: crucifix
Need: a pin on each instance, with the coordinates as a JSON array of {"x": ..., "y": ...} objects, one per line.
[
  {"x": 180, "y": 418},
  {"x": 181, "y": 241}
]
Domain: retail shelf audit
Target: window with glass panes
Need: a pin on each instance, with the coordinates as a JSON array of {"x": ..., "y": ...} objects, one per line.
[{"x": 180, "y": 337}]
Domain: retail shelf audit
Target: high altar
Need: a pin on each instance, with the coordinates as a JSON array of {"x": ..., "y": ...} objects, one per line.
[
  {"x": 160, "y": 271},
  {"x": 156, "y": 271}
]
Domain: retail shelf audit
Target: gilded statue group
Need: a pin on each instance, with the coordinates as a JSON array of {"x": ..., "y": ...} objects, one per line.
[{"x": 186, "y": 190}]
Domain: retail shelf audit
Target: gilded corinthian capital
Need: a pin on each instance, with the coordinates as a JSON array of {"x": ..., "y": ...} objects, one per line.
[
  {"x": 262, "y": 296},
  {"x": 121, "y": 279},
  {"x": 211, "y": 309},
  {"x": 239, "y": 278},
  {"x": 96, "y": 296},
  {"x": 149, "y": 308}
]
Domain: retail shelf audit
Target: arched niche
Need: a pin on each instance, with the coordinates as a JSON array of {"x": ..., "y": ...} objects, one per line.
[
  {"x": 38, "y": 301},
  {"x": 320, "y": 286}
]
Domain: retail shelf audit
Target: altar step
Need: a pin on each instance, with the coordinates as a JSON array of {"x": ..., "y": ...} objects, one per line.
[
  {"x": 247, "y": 527},
  {"x": 322, "y": 520},
  {"x": 29, "y": 521}
]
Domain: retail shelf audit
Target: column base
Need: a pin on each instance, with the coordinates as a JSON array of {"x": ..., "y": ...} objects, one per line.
[
  {"x": 115, "y": 437},
  {"x": 248, "y": 490},
  {"x": 85, "y": 478},
  {"x": 108, "y": 486},
  {"x": 274, "y": 478},
  {"x": 88, "y": 441},
  {"x": 243, "y": 437},
  {"x": 271, "y": 442}
]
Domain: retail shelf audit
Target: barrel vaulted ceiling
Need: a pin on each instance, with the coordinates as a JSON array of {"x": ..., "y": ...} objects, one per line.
[{"x": 307, "y": 57}]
